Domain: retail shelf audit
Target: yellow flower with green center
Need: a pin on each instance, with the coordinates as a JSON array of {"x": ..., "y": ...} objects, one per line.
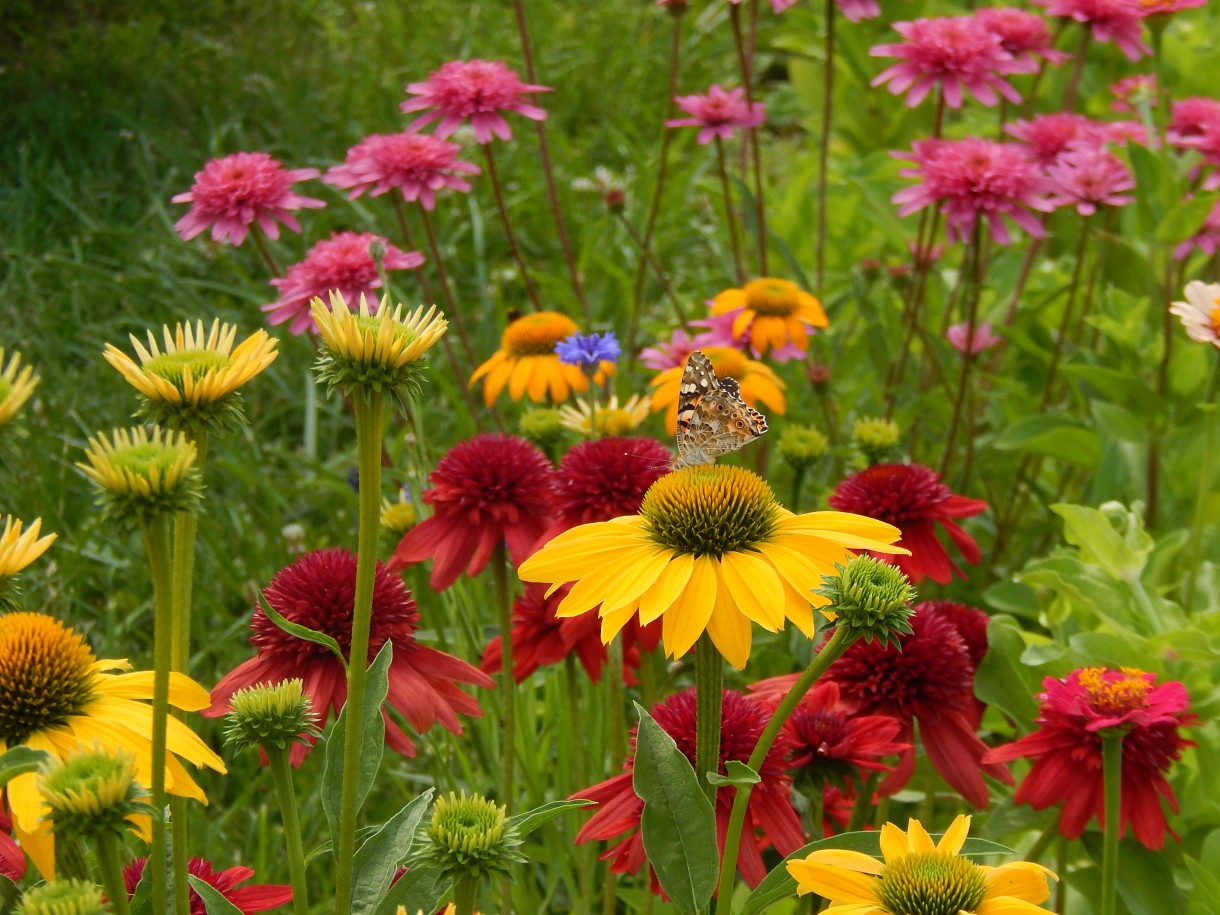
[
  {"x": 611, "y": 419},
  {"x": 64, "y": 897},
  {"x": 55, "y": 696},
  {"x": 16, "y": 386},
  {"x": 18, "y": 549},
  {"x": 756, "y": 380},
  {"x": 710, "y": 550},
  {"x": 94, "y": 792},
  {"x": 773, "y": 312},
  {"x": 140, "y": 473},
  {"x": 195, "y": 375},
  {"x": 527, "y": 362},
  {"x": 920, "y": 877},
  {"x": 374, "y": 353}
]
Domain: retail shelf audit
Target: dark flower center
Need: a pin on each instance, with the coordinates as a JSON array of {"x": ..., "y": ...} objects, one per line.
[
  {"x": 46, "y": 675},
  {"x": 709, "y": 511}
]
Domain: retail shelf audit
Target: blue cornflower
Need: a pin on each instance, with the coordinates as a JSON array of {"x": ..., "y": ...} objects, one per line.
[{"x": 588, "y": 350}]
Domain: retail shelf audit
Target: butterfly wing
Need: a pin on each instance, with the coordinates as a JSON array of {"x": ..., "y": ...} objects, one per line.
[{"x": 712, "y": 418}]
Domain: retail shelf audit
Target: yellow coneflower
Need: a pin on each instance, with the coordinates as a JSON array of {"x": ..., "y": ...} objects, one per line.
[
  {"x": 16, "y": 386},
  {"x": 774, "y": 312},
  {"x": 141, "y": 473},
  {"x": 612, "y": 420},
  {"x": 17, "y": 549},
  {"x": 527, "y": 362},
  {"x": 757, "y": 381}
]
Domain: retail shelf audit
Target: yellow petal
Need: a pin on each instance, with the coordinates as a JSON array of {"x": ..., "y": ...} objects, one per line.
[
  {"x": 796, "y": 568},
  {"x": 833, "y": 883},
  {"x": 184, "y": 693},
  {"x": 729, "y": 629},
  {"x": 687, "y": 618},
  {"x": 638, "y": 575},
  {"x": 955, "y": 836},
  {"x": 1022, "y": 880},
  {"x": 851, "y": 860},
  {"x": 520, "y": 376},
  {"x": 755, "y": 586},
  {"x": 613, "y": 622},
  {"x": 1008, "y": 905},
  {"x": 918, "y": 838},
  {"x": 666, "y": 589},
  {"x": 893, "y": 843}
]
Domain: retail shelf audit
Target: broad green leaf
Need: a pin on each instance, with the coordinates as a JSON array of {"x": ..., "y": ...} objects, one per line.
[
  {"x": 8, "y": 895},
  {"x": 141, "y": 900},
  {"x": 1205, "y": 897},
  {"x": 1145, "y": 879},
  {"x": 382, "y": 852},
  {"x": 376, "y": 686},
  {"x": 1184, "y": 220},
  {"x": 19, "y": 761},
  {"x": 1085, "y": 593},
  {"x": 1001, "y": 680},
  {"x": 302, "y": 632},
  {"x": 1125, "y": 388},
  {"x": 739, "y": 774},
  {"x": 420, "y": 889},
  {"x": 1121, "y": 553},
  {"x": 678, "y": 823},
  {"x": 527, "y": 822},
  {"x": 214, "y": 902},
  {"x": 1051, "y": 436}
]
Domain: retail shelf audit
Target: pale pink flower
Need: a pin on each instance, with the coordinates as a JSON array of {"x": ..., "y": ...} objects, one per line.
[
  {"x": 475, "y": 89},
  {"x": 980, "y": 341},
  {"x": 1133, "y": 91},
  {"x": 718, "y": 113},
  {"x": 718, "y": 331},
  {"x": 1047, "y": 135},
  {"x": 1023, "y": 34},
  {"x": 957, "y": 52},
  {"x": 1087, "y": 176},
  {"x": 855, "y": 10},
  {"x": 341, "y": 262},
  {"x": 1206, "y": 240},
  {"x": 1200, "y": 313},
  {"x": 233, "y": 191},
  {"x": 668, "y": 354},
  {"x": 974, "y": 178},
  {"x": 1110, "y": 20},
  {"x": 417, "y": 164}
]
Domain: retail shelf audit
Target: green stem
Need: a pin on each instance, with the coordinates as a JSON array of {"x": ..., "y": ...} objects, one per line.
[
  {"x": 465, "y": 892},
  {"x": 260, "y": 242},
  {"x": 614, "y": 696},
  {"x": 828, "y": 97},
  {"x": 504, "y": 611},
  {"x": 584, "y": 859},
  {"x": 369, "y": 409},
  {"x": 1205, "y": 484},
  {"x": 730, "y": 219},
  {"x": 1112, "y": 775},
  {"x": 281, "y": 774},
  {"x": 864, "y": 803},
  {"x": 709, "y": 701},
  {"x": 111, "y": 866},
  {"x": 1065, "y": 324},
  {"x": 156, "y": 541},
  {"x": 836, "y": 645},
  {"x": 502, "y": 207}
]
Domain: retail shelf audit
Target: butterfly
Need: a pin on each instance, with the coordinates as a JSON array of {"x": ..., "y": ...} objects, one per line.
[{"x": 712, "y": 418}]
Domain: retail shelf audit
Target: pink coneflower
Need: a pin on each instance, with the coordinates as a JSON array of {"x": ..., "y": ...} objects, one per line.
[
  {"x": 912, "y": 498},
  {"x": 257, "y": 897},
  {"x": 1087, "y": 177},
  {"x": 235, "y": 190},
  {"x": 1066, "y": 749},
  {"x": 1123, "y": 132},
  {"x": 975, "y": 178},
  {"x": 958, "y": 52},
  {"x": 718, "y": 332},
  {"x": 982, "y": 340},
  {"x": 318, "y": 591},
  {"x": 1133, "y": 93},
  {"x": 475, "y": 89},
  {"x": 718, "y": 113},
  {"x": 1109, "y": 20},
  {"x": 486, "y": 490},
  {"x": 341, "y": 262},
  {"x": 770, "y": 817},
  {"x": 669, "y": 353},
  {"x": 1189, "y": 116},
  {"x": 856, "y": 10},
  {"x": 1206, "y": 240},
  {"x": 417, "y": 164},
  {"x": 1023, "y": 34},
  {"x": 1047, "y": 135}
]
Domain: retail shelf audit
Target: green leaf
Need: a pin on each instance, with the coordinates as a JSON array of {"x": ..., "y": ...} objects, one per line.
[
  {"x": 527, "y": 822},
  {"x": 375, "y": 688},
  {"x": 141, "y": 899},
  {"x": 382, "y": 852},
  {"x": 1122, "y": 555},
  {"x": 420, "y": 889},
  {"x": 302, "y": 632},
  {"x": 1205, "y": 897},
  {"x": 678, "y": 823},
  {"x": 1001, "y": 680},
  {"x": 1051, "y": 436},
  {"x": 214, "y": 902},
  {"x": 18, "y": 761},
  {"x": 1145, "y": 879},
  {"x": 739, "y": 775},
  {"x": 1184, "y": 220},
  {"x": 8, "y": 895}
]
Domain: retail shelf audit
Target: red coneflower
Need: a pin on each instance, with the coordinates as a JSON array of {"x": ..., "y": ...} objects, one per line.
[
  {"x": 318, "y": 591},
  {"x": 259, "y": 897},
  {"x": 12, "y": 858},
  {"x": 484, "y": 490},
  {"x": 770, "y": 817},
  {"x": 541, "y": 639},
  {"x": 605, "y": 479},
  {"x": 912, "y": 498},
  {"x": 928, "y": 678},
  {"x": 1066, "y": 749}
]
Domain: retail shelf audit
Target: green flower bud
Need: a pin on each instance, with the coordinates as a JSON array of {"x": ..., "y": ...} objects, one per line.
[
  {"x": 544, "y": 427},
  {"x": 63, "y": 897},
  {"x": 270, "y": 715},
  {"x": 876, "y": 439},
  {"x": 870, "y": 599},
  {"x": 801, "y": 446},
  {"x": 469, "y": 836},
  {"x": 92, "y": 793}
]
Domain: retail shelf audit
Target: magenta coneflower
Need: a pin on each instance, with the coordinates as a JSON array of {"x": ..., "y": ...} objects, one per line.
[
  {"x": 485, "y": 490},
  {"x": 416, "y": 164},
  {"x": 604, "y": 479},
  {"x": 770, "y": 817},
  {"x": 258, "y": 897},
  {"x": 1047, "y": 135},
  {"x": 1023, "y": 34},
  {"x": 856, "y": 10},
  {"x": 1189, "y": 119},
  {"x": 926, "y": 680},
  {"x": 975, "y": 178},
  {"x": 1109, "y": 20},
  {"x": 912, "y": 498},
  {"x": 1066, "y": 749},
  {"x": 340, "y": 262},
  {"x": 718, "y": 113},
  {"x": 475, "y": 89},
  {"x": 1087, "y": 176},
  {"x": 958, "y": 52},
  {"x": 968, "y": 344},
  {"x": 1133, "y": 92},
  {"x": 669, "y": 353},
  {"x": 235, "y": 190},
  {"x": 318, "y": 591}
]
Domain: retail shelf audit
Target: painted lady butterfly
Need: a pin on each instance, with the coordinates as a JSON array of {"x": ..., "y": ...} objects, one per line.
[{"x": 712, "y": 418}]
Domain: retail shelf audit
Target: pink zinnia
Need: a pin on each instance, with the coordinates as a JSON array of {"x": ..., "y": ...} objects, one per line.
[
  {"x": 855, "y": 10},
  {"x": 233, "y": 191},
  {"x": 1110, "y": 20},
  {"x": 1133, "y": 91},
  {"x": 975, "y": 178},
  {"x": 475, "y": 89},
  {"x": 669, "y": 353},
  {"x": 972, "y": 344},
  {"x": 958, "y": 52},
  {"x": 1088, "y": 176},
  {"x": 718, "y": 113},
  {"x": 1023, "y": 34},
  {"x": 417, "y": 164},
  {"x": 1047, "y": 135},
  {"x": 341, "y": 262}
]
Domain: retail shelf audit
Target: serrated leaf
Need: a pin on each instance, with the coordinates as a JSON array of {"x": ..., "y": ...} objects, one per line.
[
  {"x": 302, "y": 632},
  {"x": 739, "y": 775},
  {"x": 379, "y": 856},
  {"x": 420, "y": 889},
  {"x": 214, "y": 902},
  {"x": 527, "y": 822},
  {"x": 677, "y": 823},
  {"x": 18, "y": 761}
]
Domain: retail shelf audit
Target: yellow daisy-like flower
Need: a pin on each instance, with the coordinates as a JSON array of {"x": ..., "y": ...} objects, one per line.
[
  {"x": 141, "y": 473},
  {"x": 611, "y": 419},
  {"x": 527, "y": 362},
  {"x": 16, "y": 386},
  {"x": 919, "y": 875},
  {"x": 57, "y": 697},
  {"x": 757, "y": 383},
  {"x": 773, "y": 311},
  {"x": 710, "y": 550},
  {"x": 17, "y": 549}
]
